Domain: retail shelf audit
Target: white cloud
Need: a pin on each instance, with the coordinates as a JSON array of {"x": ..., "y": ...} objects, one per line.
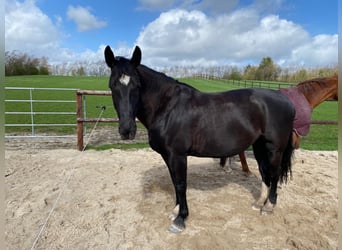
[
  {"x": 269, "y": 36},
  {"x": 321, "y": 49},
  {"x": 28, "y": 28},
  {"x": 177, "y": 37},
  {"x": 193, "y": 38},
  {"x": 84, "y": 19}
]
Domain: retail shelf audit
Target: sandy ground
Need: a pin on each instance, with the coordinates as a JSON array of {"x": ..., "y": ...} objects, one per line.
[{"x": 117, "y": 199}]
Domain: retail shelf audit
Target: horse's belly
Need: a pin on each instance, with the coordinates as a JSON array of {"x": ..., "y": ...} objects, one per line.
[
  {"x": 222, "y": 144},
  {"x": 218, "y": 153}
]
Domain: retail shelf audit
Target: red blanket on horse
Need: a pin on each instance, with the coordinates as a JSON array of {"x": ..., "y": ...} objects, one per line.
[{"x": 303, "y": 110}]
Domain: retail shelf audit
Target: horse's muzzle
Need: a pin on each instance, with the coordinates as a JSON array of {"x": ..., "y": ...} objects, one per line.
[{"x": 127, "y": 131}]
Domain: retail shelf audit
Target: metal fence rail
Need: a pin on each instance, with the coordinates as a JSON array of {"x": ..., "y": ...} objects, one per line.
[{"x": 33, "y": 113}]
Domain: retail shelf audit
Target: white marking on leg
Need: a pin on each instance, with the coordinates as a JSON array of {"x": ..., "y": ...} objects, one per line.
[
  {"x": 124, "y": 79},
  {"x": 174, "y": 213},
  {"x": 265, "y": 191}
]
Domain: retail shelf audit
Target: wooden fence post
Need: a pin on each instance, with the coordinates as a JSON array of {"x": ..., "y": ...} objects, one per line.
[{"x": 79, "y": 122}]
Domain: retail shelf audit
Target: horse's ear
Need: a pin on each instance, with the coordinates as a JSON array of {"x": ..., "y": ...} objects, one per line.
[
  {"x": 109, "y": 57},
  {"x": 136, "y": 58}
]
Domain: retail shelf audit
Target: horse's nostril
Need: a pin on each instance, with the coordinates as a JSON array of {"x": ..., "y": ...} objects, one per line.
[
  {"x": 128, "y": 136},
  {"x": 124, "y": 137},
  {"x": 127, "y": 133}
]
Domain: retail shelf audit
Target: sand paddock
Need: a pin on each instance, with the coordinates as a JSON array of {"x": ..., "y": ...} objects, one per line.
[{"x": 117, "y": 199}]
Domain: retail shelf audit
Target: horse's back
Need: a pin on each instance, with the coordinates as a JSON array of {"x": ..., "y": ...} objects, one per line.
[
  {"x": 267, "y": 102},
  {"x": 227, "y": 123}
]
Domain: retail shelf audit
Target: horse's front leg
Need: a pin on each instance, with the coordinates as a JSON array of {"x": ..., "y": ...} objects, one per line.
[{"x": 178, "y": 170}]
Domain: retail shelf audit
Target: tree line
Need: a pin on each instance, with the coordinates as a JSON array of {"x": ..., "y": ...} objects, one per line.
[
  {"x": 267, "y": 70},
  {"x": 23, "y": 64}
]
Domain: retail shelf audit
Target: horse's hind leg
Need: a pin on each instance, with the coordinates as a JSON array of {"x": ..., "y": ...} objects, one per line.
[
  {"x": 265, "y": 191},
  {"x": 243, "y": 161},
  {"x": 260, "y": 154},
  {"x": 269, "y": 160},
  {"x": 275, "y": 157},
  {"x": 272, "y": 199},
  {"x": 242, "y": 156}
]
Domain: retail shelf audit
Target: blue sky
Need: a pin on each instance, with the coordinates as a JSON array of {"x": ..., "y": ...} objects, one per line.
[{"x": 174, "y": 32}]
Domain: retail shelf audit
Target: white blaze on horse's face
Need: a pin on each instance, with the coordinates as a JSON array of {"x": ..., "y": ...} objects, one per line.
[{"x": 124, "y": 79}]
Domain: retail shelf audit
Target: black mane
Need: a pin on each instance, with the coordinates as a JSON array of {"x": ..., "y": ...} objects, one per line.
[{"x": 159, "y": 78}]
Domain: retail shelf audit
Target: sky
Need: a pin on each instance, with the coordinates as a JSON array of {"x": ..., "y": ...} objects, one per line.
[{"x": 173, "y": 32}]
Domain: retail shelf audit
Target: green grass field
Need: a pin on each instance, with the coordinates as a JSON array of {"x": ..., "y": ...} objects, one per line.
[{"x": 321, "y": 137}]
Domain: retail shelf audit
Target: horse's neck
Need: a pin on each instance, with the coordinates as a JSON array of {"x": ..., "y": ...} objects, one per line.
[
  {"x": 318, "y": 94},
  {"x": 156, "y": 92}
]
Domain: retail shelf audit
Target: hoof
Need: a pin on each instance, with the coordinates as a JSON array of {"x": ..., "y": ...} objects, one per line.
[
  {"x": 267, "y": 209},
  {"x": 227, "y": 169},
  {"x": 247, "y": 173},
  {"x": 175, "y": 229},
  {"x": 177, "y": 226},
  {"x": 266, "y": 212},
  {"x": 256, "y": 207}
]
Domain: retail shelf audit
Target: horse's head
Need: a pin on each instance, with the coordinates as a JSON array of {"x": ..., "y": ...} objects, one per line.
[{"x": 125, "y": 85}]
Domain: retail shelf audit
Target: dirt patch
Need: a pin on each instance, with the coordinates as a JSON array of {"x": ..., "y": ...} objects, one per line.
[
  {"x": 94, "y": 137},
  {"x": 117, "y": 199}
]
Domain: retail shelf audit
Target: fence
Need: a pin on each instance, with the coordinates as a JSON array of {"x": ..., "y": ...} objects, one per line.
[
  {"x": 80, "y": 112},
  {"x": 260, "y": 84},
  {"x": 81, "y": 120},
  {"x": 33, "y": 113}
]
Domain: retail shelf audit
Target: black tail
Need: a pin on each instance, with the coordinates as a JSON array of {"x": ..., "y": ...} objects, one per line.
[{"x": 286, "y": 162}]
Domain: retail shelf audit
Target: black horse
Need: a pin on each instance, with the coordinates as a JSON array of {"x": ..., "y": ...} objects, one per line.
[{"x": 183, "y": 121}]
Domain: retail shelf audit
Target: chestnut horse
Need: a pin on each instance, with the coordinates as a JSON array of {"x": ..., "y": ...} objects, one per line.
[{"x": 307, "y": 95}]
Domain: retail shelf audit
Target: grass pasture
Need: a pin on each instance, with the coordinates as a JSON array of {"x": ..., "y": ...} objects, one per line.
[{"x": 321, "y": 137}]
